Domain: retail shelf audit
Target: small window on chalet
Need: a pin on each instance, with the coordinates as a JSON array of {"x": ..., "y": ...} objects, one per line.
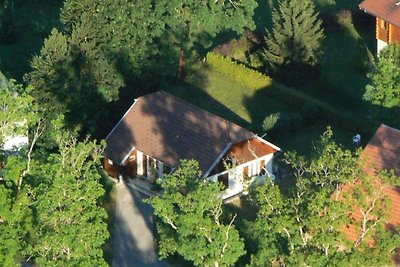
[
  {"x": 383, "y": 24},
  {"x": 224, "y": 179},
  {"x": 110, "y": 162},
  {"x": 132, "y": 158}
]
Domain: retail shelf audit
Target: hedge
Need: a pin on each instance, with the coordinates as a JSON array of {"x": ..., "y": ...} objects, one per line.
[{"x": 294, "y": 98}]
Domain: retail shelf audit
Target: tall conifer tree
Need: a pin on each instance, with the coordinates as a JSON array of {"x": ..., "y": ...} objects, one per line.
[{"x": 294, "y": 45}]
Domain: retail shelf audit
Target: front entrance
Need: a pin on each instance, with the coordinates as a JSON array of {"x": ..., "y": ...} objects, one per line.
[{"x": 131, "y": 169}]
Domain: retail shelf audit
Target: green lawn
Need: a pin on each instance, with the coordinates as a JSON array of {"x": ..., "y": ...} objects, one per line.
[
  {"x": 34, "y": 21},
  {"x": 247, "y": 107},
  {"x": 343, "y": 78}
]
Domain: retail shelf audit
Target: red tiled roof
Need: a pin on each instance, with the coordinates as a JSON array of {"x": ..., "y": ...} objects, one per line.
[
  {"x": 384, "y": 9},
  {"x": 169, "y": 129},
  {"x": 381, "y": 153},
  {"x": 383, "y": 150}
]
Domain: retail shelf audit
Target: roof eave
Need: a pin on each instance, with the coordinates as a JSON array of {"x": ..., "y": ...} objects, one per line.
[{"x": 378, "y": 16}]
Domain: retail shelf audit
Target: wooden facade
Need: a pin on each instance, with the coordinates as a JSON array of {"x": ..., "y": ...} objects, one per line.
[
  {"x": 387, "y": 32},
  {"x": 137, "y": 164},
  {"x": 246, "y": 162},
  {"x": 382, "y": 30}
]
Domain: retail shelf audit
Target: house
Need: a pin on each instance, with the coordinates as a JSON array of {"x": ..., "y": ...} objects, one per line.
[
  {"x": 159, "y": 129},
  {"x": 382, "y": 153},
  {"x": 387, "y": 13}
]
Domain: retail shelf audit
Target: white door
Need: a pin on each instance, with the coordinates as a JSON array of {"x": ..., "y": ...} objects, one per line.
[{"x": 139, "y": 162}]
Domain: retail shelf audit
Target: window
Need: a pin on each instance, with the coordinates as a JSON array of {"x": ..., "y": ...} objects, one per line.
[
  {"x": 224, "y": 179},
  {"x": 132, "y": 158},
  {"x": 110, "y": 162},
  {"x": 383, "y": 24}
]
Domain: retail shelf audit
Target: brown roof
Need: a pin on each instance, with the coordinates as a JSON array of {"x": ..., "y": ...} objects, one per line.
[
  {"x": 383, "y": 150},
  {"x": 169, "y": 129},
  {"x": 381, "y": 153},
  {"x": 384, "y": 9}
]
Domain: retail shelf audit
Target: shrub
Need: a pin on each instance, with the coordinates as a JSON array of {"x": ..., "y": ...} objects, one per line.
[
  {"x": 344, "y": 17},
  {"x": 251, "y": 78},
  {"x": 270, "y": 121}
]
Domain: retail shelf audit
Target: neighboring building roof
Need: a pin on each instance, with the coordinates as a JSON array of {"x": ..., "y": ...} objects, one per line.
[
  {"x": 383, "y": 150},
  {"x": 381, "y": 153},
  {"x": 169, "y": 129},
  {"x": 387, "y": 10}
]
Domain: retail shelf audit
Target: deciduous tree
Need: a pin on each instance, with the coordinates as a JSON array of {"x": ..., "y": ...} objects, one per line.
[
  {"x": 191, "y": 220},
  {"x": 385, "y": 79},
  {"x": 70, "y": 228},
  {"x": 304, "y": 226}
]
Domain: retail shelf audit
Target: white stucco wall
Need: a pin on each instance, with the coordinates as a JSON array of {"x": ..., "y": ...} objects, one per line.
[
  {"x": 235, "y": 177},
  {"x": 380, "y": 45},
  {"x": 15, "y": 142}
]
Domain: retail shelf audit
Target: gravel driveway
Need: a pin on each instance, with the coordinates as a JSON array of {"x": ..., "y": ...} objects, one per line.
[{"x": 134, "y": 243}]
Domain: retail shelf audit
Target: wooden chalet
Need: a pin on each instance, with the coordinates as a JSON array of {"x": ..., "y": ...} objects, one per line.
[
  {"x": 159, "y": 129},
  {"x": 387, "y": 13}
]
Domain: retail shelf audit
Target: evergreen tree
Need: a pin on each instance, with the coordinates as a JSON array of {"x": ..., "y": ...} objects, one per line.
[
  {"x": 68, "y": 80},
  {"x": 385, "y": 78},
  {"x": 294, "y": 46},
  {"x": 191, "y": 220}
]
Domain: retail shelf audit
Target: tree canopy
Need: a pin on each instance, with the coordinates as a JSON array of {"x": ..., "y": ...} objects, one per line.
[
  {"x": 304, "y": 226},
  {"x": 192, "y": 222},
  {"x": 385, "y": 78},
  {"x": 49, "y": 212},
  {"x": 106, "y": 46},
  {"x": 294, "y": 44}
]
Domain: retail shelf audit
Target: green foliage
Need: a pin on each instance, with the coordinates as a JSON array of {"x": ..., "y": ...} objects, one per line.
[
  {"x": 65, "y": 81},
  {"x": 8, "y": 29},
  {"x": 282, "y": 121},
  {"x": 302, "y": 226},
  {"x": 238, "y": 72},
  {"x": 70, "y": 225},
  {"x": 192, "y": 226},
  {"x": 385, "y": 79},
  {"x": 149, "y": 37},
  {"x": 270, "y": 121},
  {"x": 17, "y": 106},
  {"x": 48, "y": 200},
  {"x": 294, "y": 98},
  {"x": 294, "y": 45},
  {"x": 108, "y": 46}
]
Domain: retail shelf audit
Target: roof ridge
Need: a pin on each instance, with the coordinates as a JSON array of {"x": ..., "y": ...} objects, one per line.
[{"x": 392, "y": 128}]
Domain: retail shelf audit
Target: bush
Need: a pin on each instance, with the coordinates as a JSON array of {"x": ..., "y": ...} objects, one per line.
[
  {"x": 270, "y": 121},
  {"x": 282, "y": 121},
  {"x": 251, "y": 78},
  {"x": 344, "y": 17}
]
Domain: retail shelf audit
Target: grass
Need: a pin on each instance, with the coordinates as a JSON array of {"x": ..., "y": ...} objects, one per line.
[
  {"x": 34, "y": 21},
  {"x": 248, "y": 107},
  {"x": 343, "y": 78}
]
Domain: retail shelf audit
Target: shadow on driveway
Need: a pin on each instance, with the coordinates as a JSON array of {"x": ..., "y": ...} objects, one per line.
[{"x": 134, "y": 242}]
